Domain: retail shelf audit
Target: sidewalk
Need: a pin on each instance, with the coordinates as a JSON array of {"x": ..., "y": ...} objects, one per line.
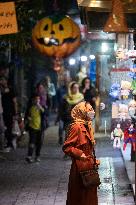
[{"x": 130, "y": 166}]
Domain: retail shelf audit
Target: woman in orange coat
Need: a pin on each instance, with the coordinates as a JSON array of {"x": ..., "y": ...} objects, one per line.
[{"x": 79, "y": 145}]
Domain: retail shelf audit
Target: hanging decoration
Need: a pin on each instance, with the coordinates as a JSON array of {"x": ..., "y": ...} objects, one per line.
[
  {"x": 121, "y": 54},
  {"x": 132, "y": 75},
  {"x": 133, "y": 70},
  {"x": 117, "y": 135},
  {"x": 133, "y": 87},
  {"x": 115, "y": 91},
  {"x": 123, "y": 111},
  {"x": 132, "y": 109},
  {"x": 116, "y": 22},
  {"x": 130, "y": 137},
  {"x": 56, "y": 36},
  {"x": 125, "y": 89}
]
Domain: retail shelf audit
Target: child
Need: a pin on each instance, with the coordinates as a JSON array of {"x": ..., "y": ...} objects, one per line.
[{"x": 35, "y": 129}]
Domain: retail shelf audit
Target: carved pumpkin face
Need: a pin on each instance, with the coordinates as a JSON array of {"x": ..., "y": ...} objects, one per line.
[{"x": 56, "y": 36}]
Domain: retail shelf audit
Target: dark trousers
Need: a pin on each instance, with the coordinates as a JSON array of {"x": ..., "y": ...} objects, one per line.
[
  {"x": 35, "y": 142},
  {"x": 8, "y": 120}
]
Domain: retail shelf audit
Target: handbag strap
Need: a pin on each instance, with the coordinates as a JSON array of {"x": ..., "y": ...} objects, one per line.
[
  {"x": 93, "y": 149},
  {"x": 94, "y": 156}
]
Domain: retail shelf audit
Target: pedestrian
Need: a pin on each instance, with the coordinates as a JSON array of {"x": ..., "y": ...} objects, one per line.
[
  {"x": 10, "y": 110},
  {"x": 79, "y": 146},
  {"x": 42, "y": 92},
  {"x": 61, "y": 92},
  {"x": 72, "y": 98},
  {"x": 51, "y": 92},
  {"x": 89, "y": 91},
  {"x": 35, "y": 129}
]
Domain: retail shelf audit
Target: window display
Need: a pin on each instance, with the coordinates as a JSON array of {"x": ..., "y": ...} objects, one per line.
[{"x": 123, "y": 94}]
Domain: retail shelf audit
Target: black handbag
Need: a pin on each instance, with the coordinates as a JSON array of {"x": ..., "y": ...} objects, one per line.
[{"x": 90, "y": 178}]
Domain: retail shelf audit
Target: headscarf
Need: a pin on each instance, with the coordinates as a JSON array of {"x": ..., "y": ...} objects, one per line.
[
  {"x": 73, "y": 98},
  {"x": 79, "y": 113}
]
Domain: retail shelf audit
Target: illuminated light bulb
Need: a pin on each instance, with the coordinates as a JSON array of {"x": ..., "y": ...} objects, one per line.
[
  {"x": 72, "y": 61},
  {"x": 92, "y": 57},
  {"x": 83, "y": 58},
  {"x": 104, "y": 47}
]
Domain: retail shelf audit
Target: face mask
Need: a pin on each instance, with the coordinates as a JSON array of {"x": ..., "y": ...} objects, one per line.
[{"x": 90, "y": 115}]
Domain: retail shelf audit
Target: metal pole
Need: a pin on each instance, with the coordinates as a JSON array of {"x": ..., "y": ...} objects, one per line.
[
  {"x": 97, "y": 111},
  {"x": 105, "y": 126}
]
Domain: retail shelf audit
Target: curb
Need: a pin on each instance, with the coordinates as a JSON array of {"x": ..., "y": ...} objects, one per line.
[{"x": 130, "y": 166}]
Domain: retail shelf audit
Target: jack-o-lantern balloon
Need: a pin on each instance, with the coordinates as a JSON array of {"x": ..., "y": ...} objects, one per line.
[{"x": 56, "y": 36}]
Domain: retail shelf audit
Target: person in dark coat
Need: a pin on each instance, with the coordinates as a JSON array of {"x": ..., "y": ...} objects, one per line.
[
  {"x": 89, "y": 92},
  {"x": 10, "y": 110}
]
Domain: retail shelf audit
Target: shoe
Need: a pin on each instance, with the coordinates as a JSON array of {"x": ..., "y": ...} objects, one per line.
[
  {"x": 37, "y": 159},
  {"x": 29, "y": 159},
  {"x": 7, "y": 149},
  {"x": 14, "y": 143}
]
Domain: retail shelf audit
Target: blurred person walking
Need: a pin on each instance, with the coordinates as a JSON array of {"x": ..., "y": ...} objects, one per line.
[
  {"x": 9, "y": 104},
  {"x": 72, "y": 98},
  {"x": 61, "y": 92},
  {"x": 35, "y": 129},
  {"x": 42, "y": 92},
  {"x": 51, "y": 92},
  {"x": 89, "y": 92}
]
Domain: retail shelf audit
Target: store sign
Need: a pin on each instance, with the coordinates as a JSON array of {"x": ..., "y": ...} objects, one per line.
[
  {"x": 8, "y": 21},
  {"x": 120, "y": 111}
]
